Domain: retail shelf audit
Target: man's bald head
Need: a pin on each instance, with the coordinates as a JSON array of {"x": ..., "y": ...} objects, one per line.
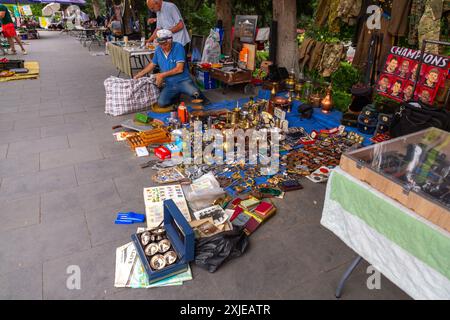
[{"x": 154, "y": 5}]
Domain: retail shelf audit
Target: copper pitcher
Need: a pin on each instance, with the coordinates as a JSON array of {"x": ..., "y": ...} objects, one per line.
[{"x": 327, "y": 102}]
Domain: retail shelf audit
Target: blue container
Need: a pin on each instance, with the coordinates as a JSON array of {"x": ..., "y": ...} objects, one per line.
[
  {"x": 182, "y": 238},
  {"x": 204, "y": 80}
]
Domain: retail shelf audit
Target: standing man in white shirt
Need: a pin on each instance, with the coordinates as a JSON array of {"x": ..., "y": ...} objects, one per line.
[{"x": 169, "y": 17}]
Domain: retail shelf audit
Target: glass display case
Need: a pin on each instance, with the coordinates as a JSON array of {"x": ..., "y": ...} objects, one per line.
[{"x": 413, "y": 169}]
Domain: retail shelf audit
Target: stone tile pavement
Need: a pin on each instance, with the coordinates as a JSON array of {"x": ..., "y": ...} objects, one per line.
[{"x": 63, "y": 179}]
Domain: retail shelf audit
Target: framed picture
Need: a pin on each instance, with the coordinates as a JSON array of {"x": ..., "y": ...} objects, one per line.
[
  {"x": 197, "y": 45},
  {"x": 245, "y": 28}
]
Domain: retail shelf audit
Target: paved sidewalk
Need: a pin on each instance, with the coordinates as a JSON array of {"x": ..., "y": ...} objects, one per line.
[{"x": 63, "y": 179}]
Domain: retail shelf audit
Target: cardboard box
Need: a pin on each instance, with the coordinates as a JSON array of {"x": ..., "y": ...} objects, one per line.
[
  {"x": 182, "y": 238},
  {"x": 370, "y": 164}
]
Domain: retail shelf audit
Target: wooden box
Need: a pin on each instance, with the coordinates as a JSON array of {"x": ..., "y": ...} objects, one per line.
[
  {"x": 232, "y": 76},
  {"x": 413, "y": 170}
]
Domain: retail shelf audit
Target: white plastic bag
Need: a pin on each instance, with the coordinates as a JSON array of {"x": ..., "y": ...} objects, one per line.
[
  {"x": 211, "y": 51},
  {"x": 203, "y": 191}
]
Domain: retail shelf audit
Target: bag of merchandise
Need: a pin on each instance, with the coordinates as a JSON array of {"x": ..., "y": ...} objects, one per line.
[
  {"x": 211, "y": 51},
  {"x": 212, "y": 252},
  {"x": 125, "y": 96},
  {"x": 416, "y": 116},
  {"x": 203, "y": 191}
]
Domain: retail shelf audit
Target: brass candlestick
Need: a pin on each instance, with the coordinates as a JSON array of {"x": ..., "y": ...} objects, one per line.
[{"x": 298, "y": 90}]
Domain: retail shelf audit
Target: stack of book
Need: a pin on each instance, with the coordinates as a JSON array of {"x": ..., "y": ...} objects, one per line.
[{"x": 250, "y": 220}]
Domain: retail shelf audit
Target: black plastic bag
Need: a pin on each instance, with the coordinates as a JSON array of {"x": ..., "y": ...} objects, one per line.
[
  {"x": 212, "y": 252},
  {"x": 416, "y": 116}
]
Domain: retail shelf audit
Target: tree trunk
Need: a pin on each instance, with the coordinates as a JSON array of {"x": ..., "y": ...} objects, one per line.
[
  {"x": 285, "y": 12},
  {"x": 223, "y": 12},
  {"x": 96, "y": 7}
]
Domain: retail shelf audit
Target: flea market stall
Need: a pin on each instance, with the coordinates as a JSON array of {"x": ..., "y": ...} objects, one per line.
[{"x": 351, "y": 115}]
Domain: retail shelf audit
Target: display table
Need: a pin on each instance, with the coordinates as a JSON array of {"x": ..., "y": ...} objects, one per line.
[
  {"x": 409, "y": 250},
  {"x": 123, "y": 57}
]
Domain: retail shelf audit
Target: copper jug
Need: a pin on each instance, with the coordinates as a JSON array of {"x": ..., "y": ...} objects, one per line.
[{"x": 327, "y": 102}]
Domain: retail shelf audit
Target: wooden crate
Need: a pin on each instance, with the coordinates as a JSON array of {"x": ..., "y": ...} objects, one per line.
[
  {"x": 232, "y": 78},
  {"x": 358, "y": 163}
]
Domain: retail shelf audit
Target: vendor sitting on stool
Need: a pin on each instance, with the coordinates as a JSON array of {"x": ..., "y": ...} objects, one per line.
[{"x": 171, "y": 59}]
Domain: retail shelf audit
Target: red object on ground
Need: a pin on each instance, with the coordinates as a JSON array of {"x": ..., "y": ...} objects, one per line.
[
  {"x": 162, "y": 153},
  {"x": 8, "y": 30},
  {"x": 323, "y": 170}
]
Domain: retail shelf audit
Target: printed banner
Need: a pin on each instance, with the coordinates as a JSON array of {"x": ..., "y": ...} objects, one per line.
[
  {"x": 44, "y": 22},
  {"x": 399, "y": 73},
  {"x": 16, "y": 12},
  {"x": 26, "y": 10}
]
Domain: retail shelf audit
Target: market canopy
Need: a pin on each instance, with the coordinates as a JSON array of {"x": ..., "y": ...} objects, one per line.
[
  {"x": 50, "y": 9},
  {"x": 79, "y": 2},
  {"x": 68, "y": 2},
  {"x": 19, "y": 1}
]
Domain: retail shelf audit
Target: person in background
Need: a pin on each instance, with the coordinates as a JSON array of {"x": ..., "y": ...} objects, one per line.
[
  {"x": 116, "y": 27},
  {"x": 171, "y": 59},
  {"x": 8, "y": 29},
  {"x": 151, "y": 21},
  {"x": 100, "y": 20},
  {"x": 168, "y": 17}
]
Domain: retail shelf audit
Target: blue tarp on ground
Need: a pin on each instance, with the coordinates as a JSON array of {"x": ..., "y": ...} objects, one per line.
[{"x": 318, "y": 121}]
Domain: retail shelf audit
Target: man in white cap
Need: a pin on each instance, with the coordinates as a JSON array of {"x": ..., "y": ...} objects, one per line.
[
  {"x": 171, "y": 59},
  {"x": 169, "y": 17}
]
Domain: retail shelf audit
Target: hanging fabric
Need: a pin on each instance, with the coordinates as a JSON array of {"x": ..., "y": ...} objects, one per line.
[
  {"x": 398, "y": 26},
  {"x": 305, "y": 52},
  {"x": 364, "y": 40},
  {"x": 417, "y": 10},
  {"x": 349, "y": 10},
  {"x": 333, "y": 21},
  {"x": 316, "y": 55},
  {"x": 323, "y": 9},
  {"x": 331, "y": 59},
  {"x": 430, "y": 24}
]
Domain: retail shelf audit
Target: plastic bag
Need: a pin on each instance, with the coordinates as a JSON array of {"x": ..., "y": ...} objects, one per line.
[
  {"x": 206, "y": 186},
  {"x": 212, "y": 252},
  {"x": 211, "y": 51},
  {"x": 203, "y": 191}
]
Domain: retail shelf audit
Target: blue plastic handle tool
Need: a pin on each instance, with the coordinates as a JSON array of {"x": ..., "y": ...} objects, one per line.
[
  {"x": 119, "y": 221},
  {"x": 133, "y": 216}
]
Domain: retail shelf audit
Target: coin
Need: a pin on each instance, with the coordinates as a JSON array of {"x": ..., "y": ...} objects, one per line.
[
  {"x": 159, "y": 232},
  {"x": 164, "y": 245},
  {"x": 170, "y": 257},
  {"x": 151, "y": 249},
  {"x": 157, "y": 262},
  {"x": 145, "y": 238}
]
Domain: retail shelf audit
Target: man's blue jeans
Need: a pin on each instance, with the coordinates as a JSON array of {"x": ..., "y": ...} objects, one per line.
[{"x": 172, "y": 91}]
